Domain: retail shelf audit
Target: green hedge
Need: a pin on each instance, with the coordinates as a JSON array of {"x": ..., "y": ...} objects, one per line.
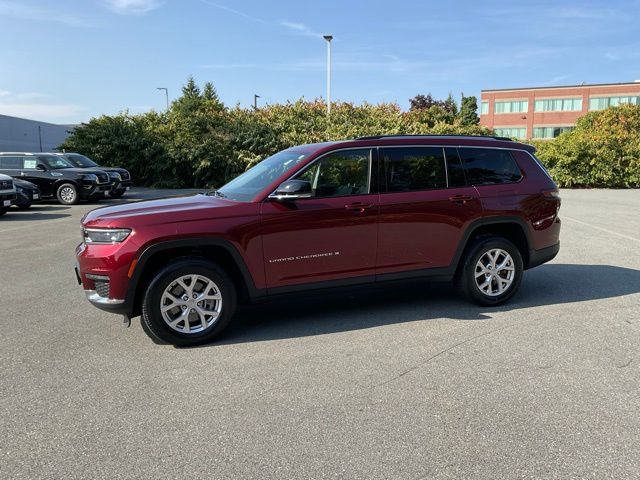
[
  {"x": 602, "y": 151},
  {"x": 201, "y": 143}
]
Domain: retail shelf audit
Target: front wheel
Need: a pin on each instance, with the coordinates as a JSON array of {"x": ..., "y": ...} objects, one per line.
[
  {"x": 24, "y": 206},
  {"x": 117, "y": 193},
  {"x": 67, "y": 194},
  {"x": 189, "y": 302},
  {"x": 3, "y": 210},
  {"x": 491, "y": 271}
]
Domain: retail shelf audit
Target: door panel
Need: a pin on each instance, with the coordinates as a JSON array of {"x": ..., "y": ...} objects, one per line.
[
  {"x": 313, "y": 240},
  {"x": 423, "y": 229},
  {"x": 43, "y": 180},
  {"x": 330, "y": 236},
  {"x": 425, "y": 209}
]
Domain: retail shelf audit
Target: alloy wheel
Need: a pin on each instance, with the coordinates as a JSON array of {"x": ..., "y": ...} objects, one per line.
[
  {"x": 494, "y": 272},
  {"x": 191, "y": 304}
]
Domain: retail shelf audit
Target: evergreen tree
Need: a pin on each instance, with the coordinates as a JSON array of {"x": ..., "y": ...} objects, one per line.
[
  {"x": 191, "y": 89},
  {"x": 469, "y": 111}
]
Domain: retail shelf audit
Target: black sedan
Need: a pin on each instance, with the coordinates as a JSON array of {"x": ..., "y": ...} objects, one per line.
[{"x": 26, "y": 194}]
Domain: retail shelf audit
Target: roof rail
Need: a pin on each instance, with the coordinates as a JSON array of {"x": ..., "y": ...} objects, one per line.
[{"x": 378, "y": 137}]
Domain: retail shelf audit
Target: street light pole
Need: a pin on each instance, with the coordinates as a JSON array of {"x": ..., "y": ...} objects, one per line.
[
  {"x": 328, "y": 38},
  {"x": 166, "y": 94},
  {"x": 255, "y": 101}
]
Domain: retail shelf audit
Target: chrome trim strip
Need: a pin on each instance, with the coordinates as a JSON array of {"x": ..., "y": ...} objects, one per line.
[{"x": 93, "y": 297}]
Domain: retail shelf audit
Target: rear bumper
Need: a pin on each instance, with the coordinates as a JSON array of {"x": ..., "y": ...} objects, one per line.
[{"x": 544, "y": 255}]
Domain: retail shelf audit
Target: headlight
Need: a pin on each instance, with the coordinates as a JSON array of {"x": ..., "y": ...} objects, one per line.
[
  {"x": 104, "y": 235},
  {"x": 90, "y": 177},
  {"x": 115, "y": 175}
]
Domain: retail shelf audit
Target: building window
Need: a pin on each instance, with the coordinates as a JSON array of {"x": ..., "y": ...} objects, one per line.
[
  {"x": 511, "y": 132},
  {"x": 515, "y": 106},
  {"x": 543, "y": 133},
  {"x": 484, "y": 108},
  {"x": 600, "y": 103},
  {"x": 558, "y": 105}
]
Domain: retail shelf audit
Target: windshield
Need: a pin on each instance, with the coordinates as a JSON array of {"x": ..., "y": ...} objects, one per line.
[
  {"x": 55, "y": 163},
  {"x": 245, "y": 187},
  {"x": 80, "y": 160}
]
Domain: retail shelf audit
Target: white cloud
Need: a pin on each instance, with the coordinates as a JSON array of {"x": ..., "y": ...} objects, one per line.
[
  {"x": 300, "y": 28},
  {"x": 40, "y": 111},
  {"x": 132, "y": 7},
  {"x": 22, "y": 11},
  {"x": 31, "y": 105}
]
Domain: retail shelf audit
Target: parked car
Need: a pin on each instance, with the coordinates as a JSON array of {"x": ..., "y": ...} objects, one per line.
[
  {"x": 119, "y": 176},
  {"x": 475, "y": 210},
  {"x": 56, "y": 177},
  {"x": 27, "y": 193},
  {"x": 7, "y": 193}
]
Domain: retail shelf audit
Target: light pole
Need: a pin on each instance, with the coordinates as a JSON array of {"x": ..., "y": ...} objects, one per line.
[
  {"x": 328, "y": 38},
  {"x": 255, "y": 101},
  {"x": 166, "y": 94}
]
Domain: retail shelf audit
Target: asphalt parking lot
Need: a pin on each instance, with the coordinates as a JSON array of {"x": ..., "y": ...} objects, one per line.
[{"x": 408, "y": 383}]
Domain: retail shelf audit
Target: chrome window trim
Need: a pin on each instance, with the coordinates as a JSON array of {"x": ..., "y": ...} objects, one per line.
[{"x": 310, "y": 165}]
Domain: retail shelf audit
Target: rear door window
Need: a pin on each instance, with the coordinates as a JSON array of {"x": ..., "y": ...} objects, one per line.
[
  {"x": 10, "y": 163},
  {"x": 488, "y": 166},
  {"x": 409, "y": 169}
]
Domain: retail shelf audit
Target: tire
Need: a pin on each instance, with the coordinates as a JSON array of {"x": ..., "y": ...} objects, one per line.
[
  {"x": 491, "y": 288},
  {"x": 24, "y": 206},
  {"x": 67, "y": 194},
  {"x": 3, "y": 210},
  {"x": 201, "y": 328},
  {"x": 117, "y": 193}
]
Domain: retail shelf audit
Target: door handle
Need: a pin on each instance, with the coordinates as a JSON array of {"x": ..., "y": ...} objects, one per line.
[
  {"x": 358, "y": 207},
  {"x": 460, "y": 199}
]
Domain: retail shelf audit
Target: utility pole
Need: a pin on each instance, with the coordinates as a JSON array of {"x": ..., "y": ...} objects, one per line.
[
  {"x": 255, "y": 101},
  {"x": 166, "y": 94},
  {"x": 40, "y": 136},
  {"x": 328, "y": 38}
]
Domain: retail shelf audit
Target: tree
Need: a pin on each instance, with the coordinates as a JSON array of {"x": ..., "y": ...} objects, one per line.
[
  {"x": 469, "y": 111},
  {"x": 422, "y": 102},
  {"x": 450, "y": 105}
]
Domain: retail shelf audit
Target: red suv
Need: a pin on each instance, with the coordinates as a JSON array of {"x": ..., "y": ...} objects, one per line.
[{"x": 475, "y": 210}]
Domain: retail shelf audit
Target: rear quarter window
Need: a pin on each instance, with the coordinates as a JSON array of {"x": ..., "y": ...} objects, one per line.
[{"x": 487, "y": 166}]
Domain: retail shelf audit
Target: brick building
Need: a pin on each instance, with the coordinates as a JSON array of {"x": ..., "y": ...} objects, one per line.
[{"x": 545, "y": 112}]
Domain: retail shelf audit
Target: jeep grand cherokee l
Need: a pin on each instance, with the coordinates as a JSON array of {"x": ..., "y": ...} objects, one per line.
[
  {"x": 475, "y": 210},
  {"x": 56, "y": 177},
  {"x": 120, "y": 177}
]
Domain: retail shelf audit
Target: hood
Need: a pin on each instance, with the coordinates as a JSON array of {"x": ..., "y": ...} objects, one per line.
[
  {"x": 160, "y": 212},
  {"x": 81, "y": 171}
]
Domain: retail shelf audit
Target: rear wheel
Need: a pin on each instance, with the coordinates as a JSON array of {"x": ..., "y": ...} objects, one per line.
[
  {"x": 67, "y": 194},
  {"x": 491, "y": 271},
  {"x": 188, "y": 303}
]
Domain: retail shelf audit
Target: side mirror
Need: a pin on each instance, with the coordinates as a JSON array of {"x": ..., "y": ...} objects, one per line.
[
  {"x": 41, "y": 167},
  {"x": 292, "y": 190}
]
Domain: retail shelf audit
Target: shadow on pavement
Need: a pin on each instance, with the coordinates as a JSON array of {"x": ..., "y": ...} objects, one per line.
[
  {"x": 333, "y": 311},
  {"x": 29, "y": 216}
]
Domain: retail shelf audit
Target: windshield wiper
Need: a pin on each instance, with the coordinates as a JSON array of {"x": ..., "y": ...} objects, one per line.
[{"x": 216, "y": 193}]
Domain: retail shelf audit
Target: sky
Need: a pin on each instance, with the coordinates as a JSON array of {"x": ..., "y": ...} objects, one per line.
[{"x": 66, "y": 61}]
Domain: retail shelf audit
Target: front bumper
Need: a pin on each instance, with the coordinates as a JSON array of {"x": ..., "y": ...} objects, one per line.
[
  {"x": 27, "y": 197},
  {"x": 7, "y": 199},
  {"x": 95, "y": 190},
  {"x": 96, "y": 298}
]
